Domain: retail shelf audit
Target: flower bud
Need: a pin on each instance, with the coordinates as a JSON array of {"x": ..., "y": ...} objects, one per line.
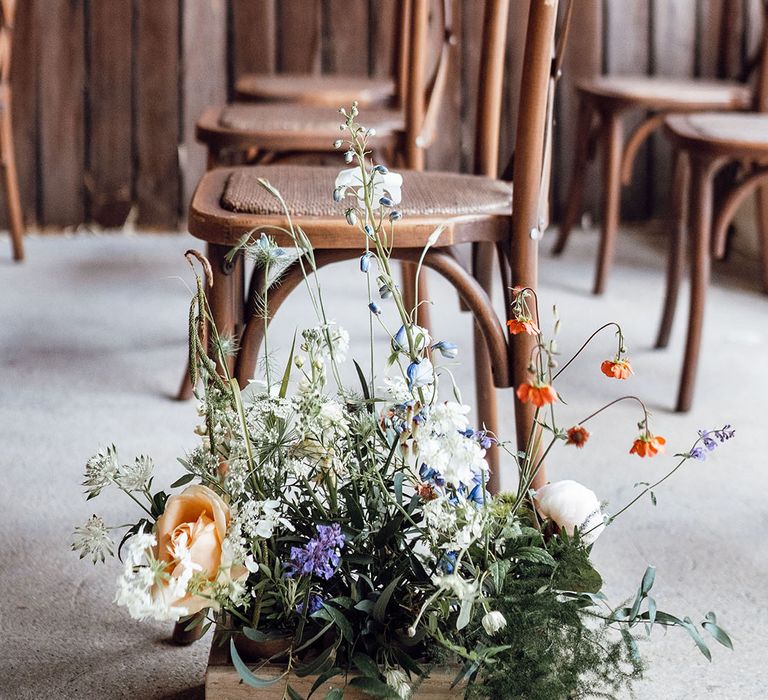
[
  {"x": 349, "y": 156},
  {"x": 337, "y": 143},
  {"x": 395, "y": 215},
  {"x": 493, "y": 622},
  {"x": 337, "y": 194},
  {"x": 351, "y": 217},
  {"x": 385, "y": 202}
]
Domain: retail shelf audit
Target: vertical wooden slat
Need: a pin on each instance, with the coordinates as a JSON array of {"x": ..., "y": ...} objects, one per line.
[
  {"x": 253, "y": 37},
  {"x": 470, "y": 45},
  {"x": 109, "y": 166},
  {"x": 383, "y": 23},
  {"x": 204, "y": 52},
  {"x": 627, "y": 51},
  {"x": 156, "y": 94},
  {"x": 298, "y": 49},
  {"x": 712, "y": 15},
  {"x": 24, "y": 78},
  {"x": 673, "y": 47},
  {"x": 444, "y": 153},
  {"x": 518, "y": 22},
  {"x": 583, "y": 60},
  {"x": 60, "y": 25},
  {"x": 345, "y": 37}
]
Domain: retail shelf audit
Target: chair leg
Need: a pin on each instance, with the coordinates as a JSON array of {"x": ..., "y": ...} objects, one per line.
[
  {"x": 677, "y": 237},
  {"x": 11, "y": 182},
  {"x": 612, "y": 153},
  {"x": 573, "y": 204},
  {"x": 762, "y": 230},
  {"x": 701, "y": 230},
  {"x": 485, "y": 389}
]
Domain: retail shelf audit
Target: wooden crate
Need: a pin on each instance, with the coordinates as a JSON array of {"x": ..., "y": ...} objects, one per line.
[{"x": 223, "y": 683}]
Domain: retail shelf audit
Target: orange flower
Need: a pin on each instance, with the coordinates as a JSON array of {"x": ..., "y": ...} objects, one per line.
[
  {"x": 522, "y": 324},
  {"x": 648, "y": 445},
  {"x": 537, "y": 394},
  {"x": 577, "y": 436},
  {"x": 620, "y": 369}
]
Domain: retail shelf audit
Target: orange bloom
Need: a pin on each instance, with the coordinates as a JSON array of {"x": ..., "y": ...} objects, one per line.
[
  {"x": 537, "y": 394},
  {"x": 617, "y": 370},
  {"x": 522, "y": 325},
  {"x": 648, "y": 445},
  {"x": 577, "y": 436}
]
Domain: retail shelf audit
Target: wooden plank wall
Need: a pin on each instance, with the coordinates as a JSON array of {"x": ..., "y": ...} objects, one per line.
[{"x": 107, "y": 91}]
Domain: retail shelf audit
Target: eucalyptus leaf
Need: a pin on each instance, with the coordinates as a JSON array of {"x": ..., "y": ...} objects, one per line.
[
  {"x": 246, "y": 675},
  {"x": 374, "y": 687}
]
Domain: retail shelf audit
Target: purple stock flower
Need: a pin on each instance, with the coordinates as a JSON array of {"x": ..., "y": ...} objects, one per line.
[
  {"x": 315, "y": 603},
  {"x": 320, "y": 556}
]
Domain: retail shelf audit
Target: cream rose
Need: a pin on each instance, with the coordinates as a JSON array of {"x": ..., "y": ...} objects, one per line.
[
  {"x": 570, "y": 505},
  {"x": 190, "y": 534}
]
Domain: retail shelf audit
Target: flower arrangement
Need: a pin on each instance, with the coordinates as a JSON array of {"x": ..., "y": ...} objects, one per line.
[{"x": 352, "y": 523}]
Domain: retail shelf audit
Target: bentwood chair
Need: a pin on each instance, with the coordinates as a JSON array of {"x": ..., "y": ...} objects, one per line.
[
  {"x": 274, "y": 132},
  {"x": 338, "y": 89},
  {"x": 706, "y": 143},
  {"x": 7, "y": 156},
  {"x": 229, "y": 202},
  {"x": 603, "y": 104},
  {"x": 479, "y": 209}
]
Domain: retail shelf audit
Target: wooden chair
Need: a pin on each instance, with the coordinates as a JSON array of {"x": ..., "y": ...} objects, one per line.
[
  {"x": 229, "y": 203},
  {"x": 603, "y": 104},
  {"x": 705, "y": 143},
  {"x": 338, "y": 89},
  {"x": 7, "y": 156},
  {"x": 279, "y": 131},
  {"x": 264, "y": 132}
]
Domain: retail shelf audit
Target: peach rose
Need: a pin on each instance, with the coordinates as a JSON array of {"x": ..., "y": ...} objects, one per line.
[{"x": 191, "y": 532}]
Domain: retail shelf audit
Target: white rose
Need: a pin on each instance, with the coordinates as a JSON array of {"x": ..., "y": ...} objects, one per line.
[{"x": 571, "y": 505}]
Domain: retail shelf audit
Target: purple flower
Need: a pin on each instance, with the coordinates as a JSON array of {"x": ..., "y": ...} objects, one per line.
[
  {"x": 315, "y": 603},
  {"x": 486, "y": 441},
  {"x": 698, "y": 453},
  {"x": 725, "y": 434},
  {"x": 320, "y": 556},
  {"x": 708, "y": 442}
]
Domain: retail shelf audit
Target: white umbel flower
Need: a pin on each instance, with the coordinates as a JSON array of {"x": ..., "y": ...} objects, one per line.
[
  {"x": 398, "y": 681},
  {"x": 494, "y": 621},
  {"x": 571, "y": 505}
]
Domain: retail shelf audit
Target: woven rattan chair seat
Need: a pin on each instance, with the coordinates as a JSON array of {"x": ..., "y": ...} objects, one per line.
[
  {"x": 333, "y": 90},
  {"x": 307, "y": 191},
  {"x": 301, "y": 117}
]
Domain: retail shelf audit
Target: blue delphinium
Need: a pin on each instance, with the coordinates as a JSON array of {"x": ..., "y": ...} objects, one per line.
[
  {"x": 314, "y": 604},
  {"x": 320, "y": 556}
]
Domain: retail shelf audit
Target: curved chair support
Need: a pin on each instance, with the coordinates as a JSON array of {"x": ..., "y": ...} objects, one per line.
[
  {"x": 442, "y": 262},
  {"x": 731, "y": 203},
  {"x": 638, "y": 137}
]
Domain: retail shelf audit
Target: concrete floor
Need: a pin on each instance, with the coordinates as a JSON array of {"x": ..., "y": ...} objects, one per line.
[{"x": 92, "y": 345}]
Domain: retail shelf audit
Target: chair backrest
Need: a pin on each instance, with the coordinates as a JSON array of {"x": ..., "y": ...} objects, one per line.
[
  {"x": 7, "y": 12},
  {"x": 760, "y": 67},
  {"x": 424, "y": 84}
]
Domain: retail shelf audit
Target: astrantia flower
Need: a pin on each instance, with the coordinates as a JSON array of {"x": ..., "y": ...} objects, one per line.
[
  {"x": 523, "y": 324},
  {"x": 93, "y": 540},
  {"x": 100, "y": 470},
  {"x": 577, "y": 436},
  {"x": 493, "y": 622},
  {"x": 134, "y": 477},
  {"x": 571, "y": 506},
  {"x": 648, "y": 445},
  {"x": 537, "y": 394},
  {"x": 617, "y": 369},
  {"x": 320, "y": 556},
  {"x": 385, "y": 185}
]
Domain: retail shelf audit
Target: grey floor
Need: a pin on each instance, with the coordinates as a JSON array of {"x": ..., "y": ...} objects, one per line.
[{"x": 92, "y": 343}]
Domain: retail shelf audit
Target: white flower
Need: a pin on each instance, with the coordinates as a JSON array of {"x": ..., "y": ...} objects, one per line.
[
  {"x": 384, "y": 184},
  {"x": 398, "y": 681},
  {"x": 420, "y": 374},
  {"x": 449, "y": 417},
  {"x": 570, "y": 505},
  {"x": 396, "y": 390},
  {"x": 420, "y": 337},
  {"x": 100, "y": 470},
  {"x": 493, "y": 622},
  {"x": 133, "y": 477},
  {"x": 456, "y": 458},
  {"x": 93, "y": 540}
]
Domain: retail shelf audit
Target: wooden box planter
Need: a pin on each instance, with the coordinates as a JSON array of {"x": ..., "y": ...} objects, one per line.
[{"x": 223, "y": 683}]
